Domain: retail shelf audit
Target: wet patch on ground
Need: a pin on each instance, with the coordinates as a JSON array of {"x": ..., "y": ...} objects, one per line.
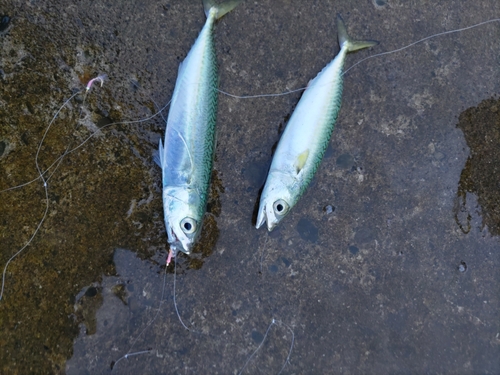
[{"x": 481, "y": 174}]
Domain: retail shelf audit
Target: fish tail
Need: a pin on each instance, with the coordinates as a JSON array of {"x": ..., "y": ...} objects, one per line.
[
  {"x": 352, "y": 45},
  {"x": 220, "y": 9}
]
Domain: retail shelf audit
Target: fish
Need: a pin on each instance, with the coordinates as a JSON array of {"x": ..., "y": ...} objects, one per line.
[
  {"x": 306, "y": 136},
  {"x": 187, "y": 152}
]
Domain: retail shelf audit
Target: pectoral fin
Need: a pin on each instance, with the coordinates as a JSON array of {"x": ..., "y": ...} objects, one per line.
[
  {"x": 158, "y": 155},
  {"x": 301, "y": 161},
  {"x": 156, "y": 158}
]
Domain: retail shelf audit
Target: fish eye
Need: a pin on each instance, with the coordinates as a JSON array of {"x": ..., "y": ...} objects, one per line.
[
  {"x": 280, "y": 207},
  {"x": 188, "y": 225}
]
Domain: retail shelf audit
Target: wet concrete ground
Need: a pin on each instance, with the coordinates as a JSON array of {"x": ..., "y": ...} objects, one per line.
[{"x": 388, "y": 264}]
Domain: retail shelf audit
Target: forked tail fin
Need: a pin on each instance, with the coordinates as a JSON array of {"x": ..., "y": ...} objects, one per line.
[
  {"x": 352, "y": 45},
  {"x": 222, "y": 8}
]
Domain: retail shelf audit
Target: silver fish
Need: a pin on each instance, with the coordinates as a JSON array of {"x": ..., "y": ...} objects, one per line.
[
  {"x": 186, "y": 155},
  {"x": 306, "y": 136}
]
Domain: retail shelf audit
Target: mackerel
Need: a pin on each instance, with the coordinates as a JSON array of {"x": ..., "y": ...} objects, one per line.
[
  {"x": 306, "y": 136},
  {"x": 186, "y": 156}
]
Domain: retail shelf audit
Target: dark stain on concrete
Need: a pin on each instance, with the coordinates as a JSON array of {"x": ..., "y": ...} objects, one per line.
[
  {"x": 3, "y": 146},
  {"x": 86, "y": 308},
  {"x": 120, "y": 291},
  {"x": 345, "y": 161},
  {"x": 481, "y": 174},
  {"x": 307, "y": 230},
  {"x": 4, "y": 23}
]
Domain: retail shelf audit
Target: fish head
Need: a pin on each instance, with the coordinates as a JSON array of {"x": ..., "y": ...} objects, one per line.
[
  {"x": 183, "y": 219},
  {"x": 275, "y": 202}
]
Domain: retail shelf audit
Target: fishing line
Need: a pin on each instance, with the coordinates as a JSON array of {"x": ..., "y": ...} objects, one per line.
[
  {"x": 262, "y": 253},
  {"x": 128, "y": 354},
  {"x": 260, "y": 95},
  {"x": 273, "y": 322},
  {"x": 27, "y": 243},
  {"x": 46, "y": 190},
  {"x": 45, "y": 181},
  {"x": 112, "y": 124},
  {"x": 40, "y": 173},
  {"x": 362, "y": 60},
  {"x": 175, "y": 299},
  {"x": 57, "y": 162},
  {"x": 423, "y": 40},
  {"x": 99, "y": 78},
  {"x": 69, "y": 151}
]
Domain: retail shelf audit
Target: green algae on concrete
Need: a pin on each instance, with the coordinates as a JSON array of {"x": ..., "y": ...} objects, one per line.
[{"x": 90, "y": 194}]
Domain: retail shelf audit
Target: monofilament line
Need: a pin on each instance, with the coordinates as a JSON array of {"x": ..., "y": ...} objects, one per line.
[
  {"x": 40, "y": 176},
  {"x": 362, "y": 60},
  {"x": 29, "y": 241},
  {"x": 175, "y": 301},
  {"x": 422, "y": 40},
  {"x": 113, "y": 364},
  {"x": 41, "y": 173},
  {"x": 260, "y": 95},
  {"x": 273, "y": 322},
  {"x": 287, "y": 361},
  {"x": 106, "y": 126},
  {"x": 67, "y": 152},
  {"x": 55, "y": 164},
  {"x": 264, "y": 248}
]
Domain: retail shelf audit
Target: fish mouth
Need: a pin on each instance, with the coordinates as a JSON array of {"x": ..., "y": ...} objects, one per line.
[
  {"x": 260, "y": 222},
  {"x": 271, "y": 226},
  {"x": 263, "y": 218},
  {"x": 176, "y": 244},
  {"x": 180, "y": 246}
]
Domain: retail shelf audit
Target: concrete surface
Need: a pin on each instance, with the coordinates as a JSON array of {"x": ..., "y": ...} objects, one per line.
[{"x": 390, "y": 262}]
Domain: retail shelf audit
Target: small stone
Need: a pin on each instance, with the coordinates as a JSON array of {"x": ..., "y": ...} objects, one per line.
[
  {"x": 329, "y": 209},
  {"x": 462, "y": 267}
]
